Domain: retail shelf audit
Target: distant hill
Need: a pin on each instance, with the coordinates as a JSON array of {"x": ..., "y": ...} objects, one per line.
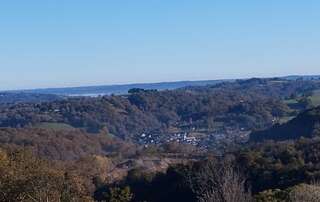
[
  {"x": 306, "y": 124},
  {"x": 119, "y": 89},
  {"x": 304, "y": 77},
  {"x": 240, "y": 104},
  {"x": 22, "y": 97},
  {"x": 94, "y": 91}
]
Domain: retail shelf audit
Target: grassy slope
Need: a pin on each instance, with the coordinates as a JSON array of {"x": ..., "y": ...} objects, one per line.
[
  {"x": 55, "y": 126},
  {"x": 315, "y": 98}
]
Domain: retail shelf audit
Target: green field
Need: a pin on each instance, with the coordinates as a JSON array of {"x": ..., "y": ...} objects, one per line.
[
  {"x": 315, "y": 98},
  {"x": 280, "y": 81},
  {"x": 285, "y": 119},
  {"x": 291, "y": 101},
  {"x": 54, "y": 126}
]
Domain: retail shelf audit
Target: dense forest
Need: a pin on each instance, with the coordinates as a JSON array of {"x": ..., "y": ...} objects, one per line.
[
  {"x": 251, "y": 104},
  {"x": 264, "y": 172},
  {"x": 271, "y": 171},
  {"x": 62, "y": 144},
  {"x": 88, "y": 149}
]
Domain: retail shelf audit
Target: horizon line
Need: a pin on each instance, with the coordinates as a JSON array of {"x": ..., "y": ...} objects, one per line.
[{"x": 156, "y": 82}]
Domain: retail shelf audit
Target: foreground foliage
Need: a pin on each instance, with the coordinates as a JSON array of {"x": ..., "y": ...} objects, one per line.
[{"x": 25, "y": 178}]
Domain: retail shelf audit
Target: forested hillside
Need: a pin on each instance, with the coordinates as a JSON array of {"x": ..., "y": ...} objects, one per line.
[
  {"x": 306, "y": 124},
  {"x": 62, "y": 144},
  {"x": 251, "y": 104},
  {"x": 12, "y": 97},
  {"x": 286, "y": 171},
  {"x": 187, "y": 144}
]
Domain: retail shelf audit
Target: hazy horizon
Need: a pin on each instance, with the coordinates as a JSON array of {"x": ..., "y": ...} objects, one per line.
[
  {"x": 53, "y": 44},
  {"x": 155, "y": 82}
]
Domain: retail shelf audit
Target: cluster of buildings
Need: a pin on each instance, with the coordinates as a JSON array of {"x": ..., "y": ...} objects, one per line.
[
  {"x": 146, "y": 139},
  {"x": 199, "y": 139}
]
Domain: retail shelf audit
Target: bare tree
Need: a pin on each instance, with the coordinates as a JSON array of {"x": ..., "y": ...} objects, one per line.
[
  {"x": 219, "y": 182},
  {"x": 305, "y": 193}
]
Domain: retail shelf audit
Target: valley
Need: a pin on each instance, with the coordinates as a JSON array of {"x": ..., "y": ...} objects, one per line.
[{"x": 149, "y": 138}]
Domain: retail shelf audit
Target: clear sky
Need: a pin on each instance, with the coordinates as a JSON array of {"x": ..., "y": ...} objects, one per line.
[{"x": 88, "y": 42}]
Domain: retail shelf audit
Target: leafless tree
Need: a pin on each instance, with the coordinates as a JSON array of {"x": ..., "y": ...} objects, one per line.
[
  {"x": 219, "y": 182},
  {"x": 305, "y": 193}
]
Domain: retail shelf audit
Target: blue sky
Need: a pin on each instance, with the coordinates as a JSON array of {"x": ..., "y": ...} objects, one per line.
[{"x": 79, "y": 42}]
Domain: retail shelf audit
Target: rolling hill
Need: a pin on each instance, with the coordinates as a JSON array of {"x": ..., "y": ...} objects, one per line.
[{"x": 306, "y": 124}]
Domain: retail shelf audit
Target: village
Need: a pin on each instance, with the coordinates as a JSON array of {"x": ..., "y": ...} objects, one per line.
[{"x": 201, "y": 139}]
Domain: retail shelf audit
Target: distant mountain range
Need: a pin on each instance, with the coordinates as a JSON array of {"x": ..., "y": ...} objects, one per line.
[{"x": 123, "y": 89}]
